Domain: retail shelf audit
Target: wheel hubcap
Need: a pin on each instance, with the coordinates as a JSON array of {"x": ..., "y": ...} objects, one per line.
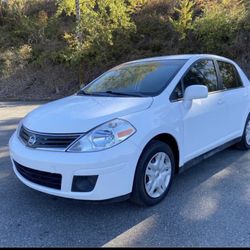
[
  {"x": 248, "y": 133},
  {"x": 158, "y": 175}
]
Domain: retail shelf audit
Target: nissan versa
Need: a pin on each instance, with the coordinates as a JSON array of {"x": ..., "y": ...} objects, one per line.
[{"x": 127, "y": 133}]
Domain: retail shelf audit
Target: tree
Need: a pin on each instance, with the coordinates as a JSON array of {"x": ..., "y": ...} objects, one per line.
[
  {"x": 184, "y": 22},
  {"x": 220, "y": 24},
  {"x": 99, "y": 25}
]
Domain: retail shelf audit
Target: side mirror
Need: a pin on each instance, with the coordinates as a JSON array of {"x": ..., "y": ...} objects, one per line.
[{"x": 195, "y": 92}]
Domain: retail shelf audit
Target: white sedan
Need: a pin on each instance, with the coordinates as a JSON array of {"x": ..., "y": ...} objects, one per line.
[{"x": 127, "y": 133}]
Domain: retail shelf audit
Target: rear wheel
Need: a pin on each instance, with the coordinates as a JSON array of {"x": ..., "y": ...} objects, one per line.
[
  {"x": 154, "y": 174},
  {"x": 244, "y": 144}
]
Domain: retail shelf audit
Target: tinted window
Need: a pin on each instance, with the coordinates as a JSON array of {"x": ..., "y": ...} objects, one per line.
[
  {"x": 202, "y": 73},
  {"x": 177, "y": 93},
  {"x": 229, "y": 75},
  {"x": 144, "y": 78}
]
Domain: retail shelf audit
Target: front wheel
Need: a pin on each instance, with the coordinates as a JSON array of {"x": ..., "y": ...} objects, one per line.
[
  {"x": 154, "y": 174},
  {"x": 244, "y": 144}
]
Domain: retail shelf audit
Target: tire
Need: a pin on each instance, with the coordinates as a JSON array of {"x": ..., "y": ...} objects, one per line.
[
  {"x": 244, "y": 144},
  {"x": 150, "y": 156}
]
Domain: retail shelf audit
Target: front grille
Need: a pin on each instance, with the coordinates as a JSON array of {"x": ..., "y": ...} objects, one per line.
[
  {"x": 42, "y": 140},
  {"x": 40, "y": 177}
]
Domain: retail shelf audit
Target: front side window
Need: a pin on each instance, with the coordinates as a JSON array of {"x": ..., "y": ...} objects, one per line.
[
  {"x": 135, "y": 79},
  {"x": 229, "y": 75},
  {"x": 201, "y": 73}
]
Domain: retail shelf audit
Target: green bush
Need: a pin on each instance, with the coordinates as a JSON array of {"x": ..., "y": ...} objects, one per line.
[
  {"x": 217, "y": 28},
  {"x": 183, "y": 23},
  {"x": 14, "y": 59},
  {"x": 103, "y": 25}
]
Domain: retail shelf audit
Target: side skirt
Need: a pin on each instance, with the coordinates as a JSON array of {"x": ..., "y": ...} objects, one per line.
[{"x": 210, "y": 153}]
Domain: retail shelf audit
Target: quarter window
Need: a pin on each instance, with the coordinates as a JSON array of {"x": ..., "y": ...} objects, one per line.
[
  {"x": 229, "y": 75},
  {"x": 177, "y": 93}
]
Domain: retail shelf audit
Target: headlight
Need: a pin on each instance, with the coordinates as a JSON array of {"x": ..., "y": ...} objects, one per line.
[{"x": 105, "y": 136}]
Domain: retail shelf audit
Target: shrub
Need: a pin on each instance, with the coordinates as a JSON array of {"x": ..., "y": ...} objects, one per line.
[
  {"x": 219, "y": 24},
  {"x": 103, "y": 24},
  {"x": 14, "y": 59},
  {"x": 183, "y": 23}
]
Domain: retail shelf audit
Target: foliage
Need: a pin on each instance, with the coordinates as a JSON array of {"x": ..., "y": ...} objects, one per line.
[
  {"x": 102, "y": 24},
  {"x": 29, "y": 23},
  {"x": 185, "y": 17},
  {"x": 43, "y": 34},
  {"x": 219, "y": 24},
  {"x": 15, "y": 59}
]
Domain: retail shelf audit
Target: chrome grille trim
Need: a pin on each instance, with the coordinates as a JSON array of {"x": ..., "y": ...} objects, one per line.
[{"x": 47, "y": 141}]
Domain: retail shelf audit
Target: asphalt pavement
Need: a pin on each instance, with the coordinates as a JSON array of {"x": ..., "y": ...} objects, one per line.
[{"x": 208, "y": 205}]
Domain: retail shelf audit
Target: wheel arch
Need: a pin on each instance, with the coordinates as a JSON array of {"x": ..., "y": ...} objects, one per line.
[{"x": 173, "y": 144}]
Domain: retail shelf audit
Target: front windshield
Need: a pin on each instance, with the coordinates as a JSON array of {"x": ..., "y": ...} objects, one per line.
[{"x": 135, "y": 79}]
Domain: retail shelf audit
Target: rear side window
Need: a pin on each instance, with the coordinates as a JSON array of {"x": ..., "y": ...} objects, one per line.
[
  {"x": 202, "y": 73},
  {"x": 229, "y": 75}
]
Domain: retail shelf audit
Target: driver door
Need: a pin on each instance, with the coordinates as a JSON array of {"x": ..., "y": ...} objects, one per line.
[{"x": 204, "y": 123}]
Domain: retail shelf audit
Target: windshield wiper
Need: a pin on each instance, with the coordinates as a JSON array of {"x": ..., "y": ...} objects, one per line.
[
  {"x": 123, "y": 94},
  {"x": 82, "y": 92}
]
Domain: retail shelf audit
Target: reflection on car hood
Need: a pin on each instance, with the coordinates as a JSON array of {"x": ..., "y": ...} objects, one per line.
[{"x": 77, "y": 114}]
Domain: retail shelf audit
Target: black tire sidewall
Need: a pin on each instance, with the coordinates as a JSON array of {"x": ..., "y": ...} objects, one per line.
[
  {"x": 244, "y": 141},
  {"x": 139, "y": 194}
]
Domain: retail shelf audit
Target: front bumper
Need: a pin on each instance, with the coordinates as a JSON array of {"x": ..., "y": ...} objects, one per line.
[{"x": 115, "y": 168}]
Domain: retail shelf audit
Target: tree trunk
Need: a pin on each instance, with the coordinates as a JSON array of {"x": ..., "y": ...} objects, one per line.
[
  {"x": 78, "y": 36},
  {"x": 78, "y": 19}
]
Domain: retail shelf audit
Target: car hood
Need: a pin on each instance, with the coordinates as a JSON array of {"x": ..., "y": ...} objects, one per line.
[{"x": 78, "y": 114}]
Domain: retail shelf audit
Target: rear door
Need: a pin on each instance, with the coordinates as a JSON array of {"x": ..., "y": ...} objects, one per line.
[{"x": 235, "y": 95}]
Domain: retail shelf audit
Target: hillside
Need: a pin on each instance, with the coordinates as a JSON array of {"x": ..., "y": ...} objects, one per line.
[{"x": 46, "y": 54}]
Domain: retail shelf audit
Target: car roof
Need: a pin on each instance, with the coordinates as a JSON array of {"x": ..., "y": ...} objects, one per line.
[{"x": 180, "y": 57}]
